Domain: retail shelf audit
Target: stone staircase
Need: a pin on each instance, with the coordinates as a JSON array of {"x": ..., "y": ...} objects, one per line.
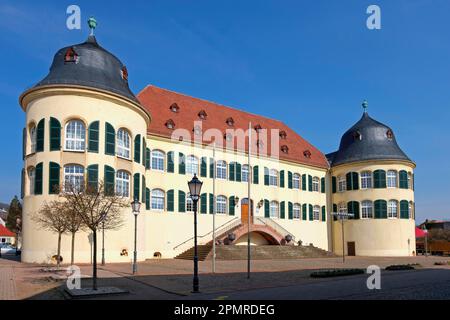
[{"x": 203, "y": 252}]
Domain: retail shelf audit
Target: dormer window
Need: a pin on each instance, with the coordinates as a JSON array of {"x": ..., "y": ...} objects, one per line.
[
  {"x": 307, "y": 154},
  {"x": 258, "y": 128},
  {"x": 389, "y": 134},
  {"x": 197, "y": 130},
  {"x": 124, "y": 73},
  {"x": 230, "y": 122},
  {"x": 170, "y": 124},
  {"x": 174, "y": 108},
  {"x": 285, "y": 149},
  {"x": 71, "y": 56},
  {"x": 228, "y": 136},
  {"x": 283, "y": 135},
  {"x": 357, "y": 135},
  {"x": 202, "y": 115}
]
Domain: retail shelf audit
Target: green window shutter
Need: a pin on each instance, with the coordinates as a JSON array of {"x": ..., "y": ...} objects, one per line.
[
  {"x": 304, "y": 211},
  {"x": 211, "y": 203},
  {"x": 404, "y": 208},
  {"x": 170, "y": 201},
  {"x": 324, "y": 213},
  {"x": 282, "y": 179},
  {"x": 181, "y": 163},
  {"x": 290, "y": 210},
  {"x": 380, "y": 209},
  {"x": 266, "y": 176},
  {"x": 137, "y": 148},
  {"x": 355, "y": 181},
  {"x": 171, "y": 162},
  {"x": 93, "y": 136},
  {"x": 53, "y": 179},
  {"x": 22, "y": 184},
  {"x": 353, "y": 207},
  {"x": 335, "y": 209},
  {"x": 92, "y": 177},
  {"x": 144, "y": 149},
  {"x": 147, "y": 159},
  {"x": 40, "y": 133},
  {"x": 403, "y": 179},
  {"x": 413, "y": 182},
  {"x": 256, "y": 174},
  {"x": 309, "y": 183},
  {"x": 238, "y": 172},
  {"x": 147, "y": 199},
  {"x": 181, "y": 201},
  {"x": 322, "y": 185},
  {"x": 55, "y": 134},
  {"x": 379, "y": 177},
  {"x": 203, "y": 167},
  {"x": 38, "y": 179},
  {"x": 136, "y": 182},
  {"x": 304, "y": 182},
  {"x": 24, "y": 143},
  {"x": 109, "y": 180},
  {"x": 143, "y": 199},
  {"x": 211, "y": 168},
  {"x": 266, "y": 208},
  {"x": 110, "y": 139},
  {"x": 290, "y": 177},
  {"x": 311, "y": 216},
  {"x": 282, "y": 210},
  {"x": 333, "y": 184},
  {"x": 232, "y": 172},
  {"x": 348, "y": 178},
  {"x": 231, "y": 206},
  {"x": 203, "y": 203}
]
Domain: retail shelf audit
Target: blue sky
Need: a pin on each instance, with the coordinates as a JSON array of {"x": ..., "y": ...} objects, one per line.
[{"x": 307, "y": 63}]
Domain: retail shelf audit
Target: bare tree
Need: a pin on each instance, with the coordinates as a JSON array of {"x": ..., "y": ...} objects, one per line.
[
  {"x": 95, "y": 205},
  {"x": 74, "y": 224},
  {"x": 51, "y": 217}
]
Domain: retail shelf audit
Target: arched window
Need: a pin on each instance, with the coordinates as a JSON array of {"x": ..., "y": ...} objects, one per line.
[
  {"x": 342, "y": 186},
  {"x": 392, "y": 179},
  {"x": 73, "y": 177},
  {"x": 157, "y": 199},
  {"x": 244, "y": 176},
  {"x": 191, "y": 165},
  {"x": 316, "y": 213},
  {"x": 123, "y": 183},
  {"x": 296, "y": 181},
  {"x": 342, "y": 207},
  {"x": 274, "y": 209},
  {"x": 273, "y": 177},
  {"x": 158, "y": 160},
  {"x": 392, "y": 209},
  {"x": 123, "y": 144},
  {"x": 189, "y": 204},
  {"x": 296, "y": 211},
  {"x": 31, "y": 179},
  {"x": 315, "y": 184},
  {"x": 366, "y": 180},
  {"x": 221, "y": 169},
  {"x": 366, "y": 209},
  {"x": 75, "y": 136},
  {"x": 221, "y": 205},
  {"x": 33, "y": 138},
  {"x": 411, "y": 210}
]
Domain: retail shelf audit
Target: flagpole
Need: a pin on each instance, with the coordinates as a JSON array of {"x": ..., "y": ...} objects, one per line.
[
  {"x": 250, "y": 209},
  {"x": 214, "y": 210}
]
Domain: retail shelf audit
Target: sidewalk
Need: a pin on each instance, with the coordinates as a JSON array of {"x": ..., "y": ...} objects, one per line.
[{"x": 7, "y": 283}]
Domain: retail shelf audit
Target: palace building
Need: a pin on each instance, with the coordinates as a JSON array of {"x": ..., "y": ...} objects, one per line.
[{"x": 84, "y": 125}]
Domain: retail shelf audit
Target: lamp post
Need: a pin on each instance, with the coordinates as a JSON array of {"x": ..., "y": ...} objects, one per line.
[
  {"x": 103, "y": 217},
  {"x": 135, "y": 205},
  {"x": 342, "y": 216},
  {"x": 195, "y": 186},
  {"x": 426, "y": 240}
]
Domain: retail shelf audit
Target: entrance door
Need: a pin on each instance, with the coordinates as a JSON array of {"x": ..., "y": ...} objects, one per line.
[
  {"x": 351, "y": 249},
  {"x": 244, "y": 213}
]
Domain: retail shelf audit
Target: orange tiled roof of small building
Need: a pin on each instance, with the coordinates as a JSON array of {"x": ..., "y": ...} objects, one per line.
[
  {"x": 5, "y": 232},
  {"x": 158, "y": 102}
]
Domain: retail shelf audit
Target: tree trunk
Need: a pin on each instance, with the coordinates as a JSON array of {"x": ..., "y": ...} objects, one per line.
[
  {"x": 73, "y": 249},
  {"x": 58, "y": 255},
  {"x": 94, "y": 271}
]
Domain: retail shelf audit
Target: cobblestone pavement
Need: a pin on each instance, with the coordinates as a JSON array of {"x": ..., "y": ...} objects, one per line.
[{"x": 7, "y": 283}]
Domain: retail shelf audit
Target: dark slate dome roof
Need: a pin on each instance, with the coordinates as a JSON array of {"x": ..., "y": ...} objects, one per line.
[
  {"x": 368, "y": 139},
  {"x": 93, "y": 67}
]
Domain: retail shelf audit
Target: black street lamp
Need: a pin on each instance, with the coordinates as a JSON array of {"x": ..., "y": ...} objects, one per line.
[
  {"x": 135, "y": 205},
  {"x": 195, "y": 186},
  {"x": 103, "y": 217}
]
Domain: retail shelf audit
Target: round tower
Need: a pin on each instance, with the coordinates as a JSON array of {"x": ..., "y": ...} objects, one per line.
[
  {"x": 83, "y": 125},
  {"x": 373, "y": 179}
]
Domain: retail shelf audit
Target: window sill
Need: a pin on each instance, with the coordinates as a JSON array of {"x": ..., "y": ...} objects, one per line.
[
  {"x": 123, "y": 158},
  {"x": 74, "y": 151}
]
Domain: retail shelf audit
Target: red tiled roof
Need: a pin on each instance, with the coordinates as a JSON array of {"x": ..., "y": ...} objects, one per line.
[
  {"x": 158, "y": 101},
  {"x": 5, "y": 232}
]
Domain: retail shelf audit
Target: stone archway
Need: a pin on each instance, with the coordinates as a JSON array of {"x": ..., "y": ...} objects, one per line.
[{"x": 272, "y": 237}]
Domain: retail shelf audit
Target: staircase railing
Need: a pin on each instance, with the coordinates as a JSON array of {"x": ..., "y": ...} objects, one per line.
[
  {"x": 230, "y": 224},
  {"x": 277, "y": 227}
]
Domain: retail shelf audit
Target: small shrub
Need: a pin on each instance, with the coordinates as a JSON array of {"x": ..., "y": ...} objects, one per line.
[
  {"x": 397, "y": 267},
  {"x": 442, "y": 263},
  {"x": 336, "y": 273}
]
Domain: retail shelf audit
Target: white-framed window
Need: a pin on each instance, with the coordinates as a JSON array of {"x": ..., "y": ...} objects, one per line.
[
  {"x": 73, "y": 177},
  {"x": 274, "y": 209},
  {"x": 296, "y": 181},
  {"x": 33, "y": 138},
  {"x": 245, "y": 172},
  {"x": 157, "y": 199},
  {"x": 122, "y": 183},
  {"x": 273, "y": 177},
  {"x": 366, "y": 180},
  {"x": 410, "y": 210},
  {"x": 410, "y": 182},
  {"x": 391, "y": 179},
  {"x": 221, "y": 205},
  {"x": 189, "y": 204},
  {"x": 296, "y": 211},
  {"x": 191, "y": 165},
  {"x": 316, "y": 213},
  {"x": 342, "y": 207},
  {"x": 392, "y": 209},
  {"x": 31, "y": 179},
  {"x": 157, "y": 160},
  {"x": 123, "y": 144},
  {"x": 221, "y": 170},
  {"x": 315, "y": 184},
  {"x": 366, "y": 209},
  {"x": 342, "y": 184},
  {"x": 75, "y": 136}
]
